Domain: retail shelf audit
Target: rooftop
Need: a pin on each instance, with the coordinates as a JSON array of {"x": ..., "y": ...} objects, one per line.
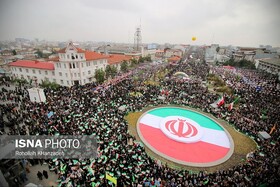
[
  {"x": 116, "y": 58},
  {"x": 91, "y": 55},
  {"x": 33, "y": 64},
  {"x": 274, "y": 61}
]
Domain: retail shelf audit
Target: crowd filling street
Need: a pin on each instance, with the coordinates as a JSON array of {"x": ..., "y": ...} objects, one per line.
[{"x": 100, "y": 110}]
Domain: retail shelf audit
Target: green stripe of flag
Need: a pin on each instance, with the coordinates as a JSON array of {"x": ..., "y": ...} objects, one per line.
[{"x": 200, "y": 119}]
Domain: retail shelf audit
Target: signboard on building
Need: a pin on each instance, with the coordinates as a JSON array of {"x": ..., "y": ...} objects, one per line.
[{"x": 37, "y": 95}]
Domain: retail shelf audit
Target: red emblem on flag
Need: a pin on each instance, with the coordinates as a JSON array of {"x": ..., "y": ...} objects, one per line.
[{"x": 181, "y": 128}]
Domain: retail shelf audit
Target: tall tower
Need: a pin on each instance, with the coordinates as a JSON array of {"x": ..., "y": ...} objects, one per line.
[{"x": 137, "y": 39}]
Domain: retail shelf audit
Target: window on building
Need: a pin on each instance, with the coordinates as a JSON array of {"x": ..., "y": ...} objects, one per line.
[
  {"x": 28, "y": 77},
  {"x": 39, "y": 71},
  {"x": 95, "y": 63},
  {"x": 77, "y": 65},
  {"x": 54, "y": 80},
  {"x": 46, "y": 72},
  {"x": 66, "y": 75},
  {"x": 53, "y": 73},
  {"x": 74, "y": 65},
  {"x": 73, "y": 57},
  {"x": 65, "y": 66},
  {"x": 81, "y": 56},
  {"x": 67, "y": 82},
  {"x": 84, "y": 73},
  {"x": 68, "y": 56},
  {"x": 76, "y": 56},
  {"x": 60, "y": 74},
  {"x": 70, "y": 65},
  {"x": 82, "y": 64},
  {"x": 61, "y": 81},
  {"x": 27, "y": 71},
  {"x": 20, "y": 70},
  {"x": 34, "y": 71},
  {"x": 84, "y": 81},
  {"x": 88, "y": 64},
  {"x": 88, "y": 71},
  {"x": 79, "y": 74},
  {"x": 46, "y": 79}
]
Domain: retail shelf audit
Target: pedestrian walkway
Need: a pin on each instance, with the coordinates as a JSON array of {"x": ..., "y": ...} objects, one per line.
[{"x": 32, "y": 176}]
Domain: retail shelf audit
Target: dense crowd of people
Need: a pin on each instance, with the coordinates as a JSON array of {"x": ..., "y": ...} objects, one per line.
[{"x": 83, "y": 109}]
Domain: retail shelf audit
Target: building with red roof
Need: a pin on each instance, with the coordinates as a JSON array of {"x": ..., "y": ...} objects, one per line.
[
  {"x": 33, "y": 64},
  {"x": 117, "y": 59},
  {"x": 72, "y": 66}
]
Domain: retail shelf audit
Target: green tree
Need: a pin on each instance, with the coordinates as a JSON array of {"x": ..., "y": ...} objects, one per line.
[
  {"x": 111, "y": 71},
  {"x": 124, "y": 66},
  {"x": 218, "y": 49},
  {"x": 133, "y": 62},
  {"x": 108, "y": 71},
  {"x": 148, "y": 58},
  {"x": 141, "y": 60},
  {"x": 51, "y": 85},
  {"x": 99, "y": 76},
  {"x": 39, "y": 53},
  {"x": 114, "y": 71},
  {"x": 14, "y": 52}
]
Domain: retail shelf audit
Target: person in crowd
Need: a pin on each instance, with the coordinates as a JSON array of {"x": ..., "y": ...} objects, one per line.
[
  {"x": 45, "y": 173},
  {"x": 40, "y": 175}
]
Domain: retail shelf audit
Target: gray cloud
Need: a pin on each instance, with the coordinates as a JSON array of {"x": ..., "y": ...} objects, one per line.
[{"x": 247, "y": 23}]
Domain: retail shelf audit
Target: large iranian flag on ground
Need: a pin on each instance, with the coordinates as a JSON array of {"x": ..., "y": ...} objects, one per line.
[{"x": 184, "y": 135}]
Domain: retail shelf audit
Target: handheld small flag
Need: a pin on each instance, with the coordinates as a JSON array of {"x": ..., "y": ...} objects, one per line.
[
  {"x": 230, "y": 107},
  {"x": 221, "y": 101},
  {"x": 112, "y": 179},
  {"x": 218, "y": 102},
  {"x": 272, "y": 129}
]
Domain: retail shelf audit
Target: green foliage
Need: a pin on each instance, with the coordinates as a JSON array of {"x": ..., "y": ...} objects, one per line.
[
  {"x": 111, "y": 71},
  {"x": 20, "y": 81},
  {"x": 108, "y": 71},
  {"x": 99, "y": 76},
  {"x": 51, "y": 85},
  {"x": 14, "y": 52},
  {"x": 242, "y": 63},
  {"x": 217, "y": 81},
  {"x": 141, "y": 60},
  {"x": 124, "y": 66},
  {"x": 148, "y": 58},
  {"x": 218, "y": 49},
  {"x": 39, "y": 53},
  {"x": 133, "y": 63},
  {"x": 114, "y": 71},
  {"x": 224, "y": 89}
]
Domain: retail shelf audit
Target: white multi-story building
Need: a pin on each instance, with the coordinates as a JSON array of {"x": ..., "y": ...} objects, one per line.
[
  {"x": 270, "y": 65},
  {"x": 74, "y": 66}
]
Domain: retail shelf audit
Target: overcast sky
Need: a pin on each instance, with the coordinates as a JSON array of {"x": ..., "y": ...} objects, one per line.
[{"x": 235, "y": 22}]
